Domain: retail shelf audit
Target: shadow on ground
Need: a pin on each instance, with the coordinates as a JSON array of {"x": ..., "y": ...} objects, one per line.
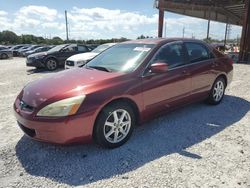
[{"x": 172, "y": 133}]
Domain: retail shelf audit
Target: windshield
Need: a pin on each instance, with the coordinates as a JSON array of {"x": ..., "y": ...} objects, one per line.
[
  {"x": 121, "y": 57},
  {"x": 101, "y": 48},
  {"x": 57, "y": 48}
]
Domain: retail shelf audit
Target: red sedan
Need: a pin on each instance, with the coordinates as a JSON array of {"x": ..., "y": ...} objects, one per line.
[{"x": 125, "y": 85}]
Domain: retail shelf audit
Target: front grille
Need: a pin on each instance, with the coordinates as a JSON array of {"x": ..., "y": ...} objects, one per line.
[
  {"x": 29, "y": 132},
  {"x": 70, "y": 63},
  {"x": 25, "y": 107}
]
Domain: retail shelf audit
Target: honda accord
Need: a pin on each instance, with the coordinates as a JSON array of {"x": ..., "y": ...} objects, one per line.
[{"x": 125, "y": 85}]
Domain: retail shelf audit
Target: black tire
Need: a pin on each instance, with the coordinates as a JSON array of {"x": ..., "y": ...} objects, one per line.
[
  {"x": 105, "y": 114},
  {"x": 51, "y": 64},
  {"x": 212, "y": 99},
  {"x": 4, "y": 56}
]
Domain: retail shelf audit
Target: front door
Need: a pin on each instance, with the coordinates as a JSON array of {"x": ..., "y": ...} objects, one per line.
[{"x": 166, "y": 90}]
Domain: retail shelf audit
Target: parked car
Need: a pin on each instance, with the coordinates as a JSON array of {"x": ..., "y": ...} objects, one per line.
[
  {"x": 5, "y": 53},
  {"x": 220, "y": 47},
  {"x": 32, "y": 47},
  {"x": 79, "y": 60},
  {"x": 15, "y": 49},
  {"x": 55, "y": 57},
  {"x": 234, "y": 56},
  {"x": 92, "y": 46},
  {"x": 37, "y": 50},
  {"x": 127, "y": 84},
  {"x": 19, "y": 51}
]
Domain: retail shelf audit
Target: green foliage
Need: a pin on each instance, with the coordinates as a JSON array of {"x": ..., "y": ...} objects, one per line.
[
  {"x": 9, "y": 37},
  {"x": 143, "y": 37}
]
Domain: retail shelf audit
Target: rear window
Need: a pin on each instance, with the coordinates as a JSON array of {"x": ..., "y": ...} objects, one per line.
[{"x": 197, "y": 52}]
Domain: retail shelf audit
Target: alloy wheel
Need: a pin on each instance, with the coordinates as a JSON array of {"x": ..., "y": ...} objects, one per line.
[
  {"x": 117, "y": 126},
  {"x": 218, "y": 90},
  {"x": 51, "y": 64}
]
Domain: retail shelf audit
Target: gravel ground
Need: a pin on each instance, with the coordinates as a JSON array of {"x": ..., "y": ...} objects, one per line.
[{"x": 196, "y": 146}]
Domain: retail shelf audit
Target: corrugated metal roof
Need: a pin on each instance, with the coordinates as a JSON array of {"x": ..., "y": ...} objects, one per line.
[{"x": 226, "y": 11}]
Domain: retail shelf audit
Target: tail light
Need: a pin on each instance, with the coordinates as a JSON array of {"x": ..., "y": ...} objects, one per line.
[{"x": 231, "y": 62}]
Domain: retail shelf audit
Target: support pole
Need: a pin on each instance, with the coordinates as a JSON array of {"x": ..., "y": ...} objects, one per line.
[
  {"x": 66, "y": 22},
  {"x": 225, "y": 40},
  {"x": 208, "y": 23},
  {"x": 245, "y": 36},
  {"x": 161, "y": 20},
  {"x": 208, "y": 29}
]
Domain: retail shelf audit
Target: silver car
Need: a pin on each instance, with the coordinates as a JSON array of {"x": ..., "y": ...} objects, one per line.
[{"x": 5, "y": 53}]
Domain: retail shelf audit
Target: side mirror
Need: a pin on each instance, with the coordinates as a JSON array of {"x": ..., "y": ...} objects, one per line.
[{"x": 159, "y": 67}]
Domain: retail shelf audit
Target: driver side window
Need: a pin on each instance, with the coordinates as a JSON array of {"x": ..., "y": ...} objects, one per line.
[
  {"x": 70, "y": 49},
  {"x": 172, "y": 54}
]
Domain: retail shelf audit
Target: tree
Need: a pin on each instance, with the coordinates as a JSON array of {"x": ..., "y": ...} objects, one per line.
[
  {"x": 9, "y": 37},
  {"x": 141, "y": 37},
  {"x": 57, "y": 40}
]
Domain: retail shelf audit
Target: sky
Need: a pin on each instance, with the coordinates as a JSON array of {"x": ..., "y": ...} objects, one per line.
[{"x": 96, "y": 19}]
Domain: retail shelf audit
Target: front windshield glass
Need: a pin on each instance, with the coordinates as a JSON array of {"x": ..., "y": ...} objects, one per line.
[
  {"x": 101, "y": 48},
  {"x": 121, "y": 57},
  {"x": 57, "y": 48}
]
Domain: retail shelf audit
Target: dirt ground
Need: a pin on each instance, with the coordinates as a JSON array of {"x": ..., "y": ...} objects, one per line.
[{"x": 196, "y": 146}]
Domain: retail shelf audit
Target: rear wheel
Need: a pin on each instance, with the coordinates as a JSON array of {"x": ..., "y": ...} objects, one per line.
[
  {"x": 217, "y": 92},
  {"x": 51, "y": 64},
  {"x": 114, "y": 125},
  {"x": 4, "y": 56}
]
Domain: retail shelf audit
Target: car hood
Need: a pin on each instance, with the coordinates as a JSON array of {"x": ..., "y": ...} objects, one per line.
[
  {"x": 37, "y": 54},
  {"x": 64, "y": 84},
  {"x": 5, "y": 50},
  {"x": 82, "y": 56}
]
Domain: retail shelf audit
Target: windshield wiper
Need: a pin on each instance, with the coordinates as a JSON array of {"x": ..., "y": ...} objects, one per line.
[{"x": 100, "y": 68}]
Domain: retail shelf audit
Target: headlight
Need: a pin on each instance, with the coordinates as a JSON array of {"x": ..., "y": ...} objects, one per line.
[
  {"x": 40, "y": 56},
  {"x": 80, "y": 62},
  {"x": 63, "y": 107}
]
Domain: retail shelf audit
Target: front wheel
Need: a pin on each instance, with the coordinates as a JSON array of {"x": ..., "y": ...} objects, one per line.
[
  {"x": 51, "y": 64},
  {"x": 4, "y": 56},
  {"x": 217, "y": 92},
  {"x": 114, "y": 125}
]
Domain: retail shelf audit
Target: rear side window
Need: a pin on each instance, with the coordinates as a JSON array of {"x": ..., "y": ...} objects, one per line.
[
  {"x": 172, "y": 54},
  {"x": 82, "y": 49},
  {"x": 70, "y": 48},
  {"x": 197, "y": 52}
]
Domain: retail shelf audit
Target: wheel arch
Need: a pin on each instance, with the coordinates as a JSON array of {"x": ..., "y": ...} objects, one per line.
[
  {"x": 50, "y": 57},
  {"x": 222, "y": 76},
  {"x": 2, "y": 54},
  {"x": 127, "y": 100}
]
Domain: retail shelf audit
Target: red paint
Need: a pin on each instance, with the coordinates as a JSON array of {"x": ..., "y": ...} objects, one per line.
[{"x": 152, "y": 94}]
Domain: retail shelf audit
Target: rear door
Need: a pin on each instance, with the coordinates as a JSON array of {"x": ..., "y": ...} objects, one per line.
[
  {"x": 66, "y": 53},
  {"x": 170, "y": 89},
  {"x": 200, "y": 64}
]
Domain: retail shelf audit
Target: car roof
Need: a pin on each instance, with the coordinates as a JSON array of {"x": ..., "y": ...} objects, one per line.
[{"x": 162, "y": 40}]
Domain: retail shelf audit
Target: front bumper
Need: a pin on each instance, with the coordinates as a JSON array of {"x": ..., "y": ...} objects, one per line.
[
  {"x": 72, "y": 129},
  {"x": 35, "y": 63}
]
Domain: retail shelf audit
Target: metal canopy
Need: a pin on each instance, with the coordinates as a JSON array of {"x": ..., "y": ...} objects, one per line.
[
  {"x": 230, "y": 11},
  {"x": 235, "y": 12}
]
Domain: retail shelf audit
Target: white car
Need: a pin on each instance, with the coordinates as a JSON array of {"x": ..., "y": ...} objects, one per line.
[{"x": 81, "y": 59}]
